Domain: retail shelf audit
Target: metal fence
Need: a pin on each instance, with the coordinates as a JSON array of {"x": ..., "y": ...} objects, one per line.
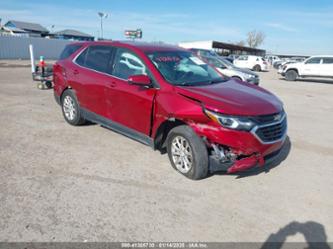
[{"x": 14, "y": 47}]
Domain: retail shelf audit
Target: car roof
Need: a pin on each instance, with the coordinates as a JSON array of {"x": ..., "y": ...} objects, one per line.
[
  {"x": 323, "y": 56},
  {"x": 143, "y": 46}
]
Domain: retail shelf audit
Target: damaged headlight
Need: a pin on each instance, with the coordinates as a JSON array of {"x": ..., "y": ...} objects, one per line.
[{"x": 231, "y": 122}]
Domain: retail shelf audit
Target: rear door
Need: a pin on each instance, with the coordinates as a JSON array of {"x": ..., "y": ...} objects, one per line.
[
  {"x": 90, "y": 77},
  {"x": 327, "y": 66},
  {"x": 130, "y": 105}
]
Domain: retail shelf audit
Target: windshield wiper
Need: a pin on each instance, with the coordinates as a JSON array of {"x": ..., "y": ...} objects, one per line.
[
  {"x": 201, "y": 83},
  {"x": 218, "y": 80},
  {"x": 184, "y": 84}
]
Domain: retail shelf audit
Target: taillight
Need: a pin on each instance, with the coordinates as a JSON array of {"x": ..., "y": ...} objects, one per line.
[{"x": 265, "y": 63}]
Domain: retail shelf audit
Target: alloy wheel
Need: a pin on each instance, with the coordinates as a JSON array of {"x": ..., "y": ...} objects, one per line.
[
  {"x": 69, "y": 108},
  {"x": 182, "y": 154}
]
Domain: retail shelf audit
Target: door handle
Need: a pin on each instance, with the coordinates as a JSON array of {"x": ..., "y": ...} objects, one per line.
[
  {"x": 113, "y": 84},
  {"x": 75, "y": 71}
]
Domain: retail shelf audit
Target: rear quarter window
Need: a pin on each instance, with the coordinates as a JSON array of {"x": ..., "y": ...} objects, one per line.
[{"x": 69, "y": 50}]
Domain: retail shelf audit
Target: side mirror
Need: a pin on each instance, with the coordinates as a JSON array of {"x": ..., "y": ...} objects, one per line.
[{"x": 140, "y": 80}]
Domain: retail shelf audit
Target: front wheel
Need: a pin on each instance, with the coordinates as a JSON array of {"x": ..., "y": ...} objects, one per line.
[
  {"x": 291, "y": 75},
  {"x": 187, "y": 152}
]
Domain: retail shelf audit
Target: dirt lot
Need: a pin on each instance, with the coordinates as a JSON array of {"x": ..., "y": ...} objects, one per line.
[{"x": 63, "y": 183}]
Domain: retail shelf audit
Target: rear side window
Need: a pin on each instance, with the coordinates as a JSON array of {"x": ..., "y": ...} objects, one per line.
[
  {"x": 69, "y": 50},
  {"x": 328, "y": 60},
  {"x": 243, "y": 58},
  {"x": 96, "y": 58}
]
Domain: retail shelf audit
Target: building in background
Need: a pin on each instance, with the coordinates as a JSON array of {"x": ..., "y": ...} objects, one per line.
[
  {"x": 74, "y": 35},
  {"x": 223, "y": 48},
  {"x": 26, "y": 29}
]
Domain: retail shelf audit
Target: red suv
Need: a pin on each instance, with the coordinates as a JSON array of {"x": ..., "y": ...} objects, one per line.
[{"x": 167, "y": 98}]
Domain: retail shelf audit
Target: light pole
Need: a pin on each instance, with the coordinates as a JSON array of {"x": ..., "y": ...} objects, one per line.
[{"x": 102, "y": 15}]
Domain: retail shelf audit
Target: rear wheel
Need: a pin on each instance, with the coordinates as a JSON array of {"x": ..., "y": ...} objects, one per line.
[
  {"x": 70, "y": 108},
  {"x": 187, "y": 152},
  {"x": 257, "y": 68},
  {"x": 291, "y": 75}
]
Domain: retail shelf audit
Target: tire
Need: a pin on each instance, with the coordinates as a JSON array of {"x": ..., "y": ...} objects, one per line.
[
  {"x": 192, "y": 159},
  {"x": 236, "y": 78},
  {"x": 70, "y": 108},
  {"x": 291, "y": 75},
  {"x": 257, "y": 68},
  {"x": 48, "y": 84}
]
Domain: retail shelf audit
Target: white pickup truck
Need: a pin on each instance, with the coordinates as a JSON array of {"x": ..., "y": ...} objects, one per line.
[{"x": 315, "y": 66}]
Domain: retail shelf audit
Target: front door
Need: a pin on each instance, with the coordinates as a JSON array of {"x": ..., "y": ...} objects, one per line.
[
  {"x": 311, "y": 67},
  {"x": 130, "y": 105}
]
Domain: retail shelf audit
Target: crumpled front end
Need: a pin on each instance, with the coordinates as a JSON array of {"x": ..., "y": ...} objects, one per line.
[{"x": 235, "y": 151}]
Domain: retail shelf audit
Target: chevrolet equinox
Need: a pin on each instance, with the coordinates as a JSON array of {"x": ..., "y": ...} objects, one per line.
[{"x": 166, "y": 97}]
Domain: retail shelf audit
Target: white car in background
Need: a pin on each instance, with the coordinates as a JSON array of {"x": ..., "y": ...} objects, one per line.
[
  {"x": 255, "y": 63},
  {"x": 228, "y": 69},
  {"x": 315, "y": 66},
  {"x": 272, "y": 59}
]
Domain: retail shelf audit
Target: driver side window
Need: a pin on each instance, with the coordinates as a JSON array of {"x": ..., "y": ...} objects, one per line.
[
  {"x": 126, "y": 64},
  {"x": 314, "y": 61}
]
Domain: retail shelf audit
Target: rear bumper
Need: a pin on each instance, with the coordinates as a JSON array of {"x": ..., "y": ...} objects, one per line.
[{"x": 264, "y": 67}]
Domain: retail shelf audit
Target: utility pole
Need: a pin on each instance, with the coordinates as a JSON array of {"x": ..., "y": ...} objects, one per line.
[{"x": 102, "y": 15}]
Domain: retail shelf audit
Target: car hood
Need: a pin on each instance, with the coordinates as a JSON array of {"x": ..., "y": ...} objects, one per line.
[
  {"x": 295, "y": 64},
  {"x": 234, "y": 98}
]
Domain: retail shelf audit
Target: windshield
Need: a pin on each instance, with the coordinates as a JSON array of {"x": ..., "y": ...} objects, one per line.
[
  {"x": 183, "y": 68},
  {"x": 228, "y": 63},
  {"x": 219, "y": 62}
]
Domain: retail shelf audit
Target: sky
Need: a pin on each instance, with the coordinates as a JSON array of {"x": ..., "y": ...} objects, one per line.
[{"x": 300, "y": 27}]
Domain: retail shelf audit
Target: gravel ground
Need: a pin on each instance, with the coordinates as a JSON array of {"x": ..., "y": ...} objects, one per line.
[{"x": 64, "y": 183}]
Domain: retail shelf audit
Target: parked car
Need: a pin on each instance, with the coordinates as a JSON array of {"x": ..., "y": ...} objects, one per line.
[
  {"x": 284, "y": 61},
  {"x": 203, "y": 52},
  {"x": 233, "y": 57},
  {"x": 166, "y": 97},
  {"x": 255, "y": 63},
  {"x": 228, "y": 59},
  {"x": 315, "y": 66},
  {"x": 272, "y": 59},
  {"x": 230, "y": 70}
]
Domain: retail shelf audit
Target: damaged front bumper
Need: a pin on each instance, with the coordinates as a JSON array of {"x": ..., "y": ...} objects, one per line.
[
  {"x": 235, "y": 151},
  {"x": 243, "y": 164}
]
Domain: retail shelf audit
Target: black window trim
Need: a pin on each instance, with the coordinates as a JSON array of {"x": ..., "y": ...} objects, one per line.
[
  {"x": 87, "y": 48},
  {"x": 111, "y": 63}
]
